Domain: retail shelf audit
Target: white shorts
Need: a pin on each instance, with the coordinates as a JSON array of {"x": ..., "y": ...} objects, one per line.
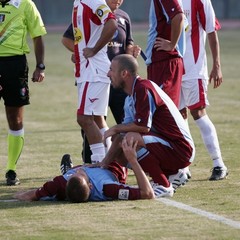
[
  {"x": 93, "y": 98},
  {"x": 194, "y": 94}
]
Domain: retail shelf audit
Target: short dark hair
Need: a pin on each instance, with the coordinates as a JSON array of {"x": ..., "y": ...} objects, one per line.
[{"x": 77, "y": 189}]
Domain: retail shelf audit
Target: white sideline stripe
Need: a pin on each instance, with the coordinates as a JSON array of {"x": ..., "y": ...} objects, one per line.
[{"x": 212, "y": 216}]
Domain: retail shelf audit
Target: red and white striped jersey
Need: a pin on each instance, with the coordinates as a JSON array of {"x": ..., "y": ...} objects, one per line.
[
  {"x": 202, "y": 20},
  {"x": 88, "y": 20}
]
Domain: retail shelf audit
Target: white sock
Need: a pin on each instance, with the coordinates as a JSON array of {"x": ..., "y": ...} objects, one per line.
[
  {"x": 210, "y": 139},
  {"x": 108, "y": 140},
  {"x": 98, "y": 152}
]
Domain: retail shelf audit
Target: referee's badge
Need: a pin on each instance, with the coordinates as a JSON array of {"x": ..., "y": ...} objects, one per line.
[{"x": 2, "y": 18}]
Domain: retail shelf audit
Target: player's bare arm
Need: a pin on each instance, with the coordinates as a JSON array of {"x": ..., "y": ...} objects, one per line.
[
  {"x": 216, "y": 72},
  {"x": 124, "y": 128},
  {"x": 176, "y": 29},
  {"x": 38, "y": 74},
  {"x": 129, "y": 149},
  {"x": 26, "y": 196},
  {"x": 109, "y": 29}
]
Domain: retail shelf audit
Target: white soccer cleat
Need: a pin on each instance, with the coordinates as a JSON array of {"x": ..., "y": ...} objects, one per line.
[
  {"x": 161, "y": 191},
  {"x": 179, "y": 179}
]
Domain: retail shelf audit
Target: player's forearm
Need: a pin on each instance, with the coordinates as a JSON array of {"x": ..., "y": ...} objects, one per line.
[
  {"x": 39, "y": 49},
  {"x": 27, "y": 196},
  {"x": 215, "y": 48},
  {"x": 176, "y": 29},
  {"x": 68, "y": 43},
  {"x": 108, "y": 31},
  {"x": 130, "y": 127},
  {"x": 114, "y": 152},
  {"x": 142, "y": 181}
]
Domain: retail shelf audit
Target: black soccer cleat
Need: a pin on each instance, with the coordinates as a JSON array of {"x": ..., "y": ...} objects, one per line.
[
  {"x": 66, "y": 163},
  {"x": 218, "y": 173},
  {"x": 11, "y": 178}
]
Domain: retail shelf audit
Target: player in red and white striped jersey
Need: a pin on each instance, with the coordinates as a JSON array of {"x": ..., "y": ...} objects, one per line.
[
  {"x": 94, "y": 25},
  {"x": 202, "y": 23}
]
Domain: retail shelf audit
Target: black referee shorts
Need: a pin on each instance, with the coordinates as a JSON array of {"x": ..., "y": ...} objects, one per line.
[{"x": 14, "y": 81}]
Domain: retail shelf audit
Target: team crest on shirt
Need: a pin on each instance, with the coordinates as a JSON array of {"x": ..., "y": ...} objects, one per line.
[
  {"x": 102, "y": 10},
  {"x": 99, "y": 12},
  {"x": 2, "y": 18},
  {"x": 121, "y": 20},
  {"x": 77, "y": 36}
]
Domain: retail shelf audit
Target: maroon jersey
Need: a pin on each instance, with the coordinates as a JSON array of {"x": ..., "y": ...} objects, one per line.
[{"x": 56, "y": 188}]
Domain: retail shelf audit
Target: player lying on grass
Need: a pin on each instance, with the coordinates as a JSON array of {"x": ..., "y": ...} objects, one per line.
[{"x": 82, "y": 184}]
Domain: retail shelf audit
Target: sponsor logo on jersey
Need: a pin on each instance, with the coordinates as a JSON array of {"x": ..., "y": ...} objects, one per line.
[
  {"x": 123, "y": 194},
  {"x": 115, "y": 44},
  {"x": 121, "y": 20},
  {"x": 77, "y": 36},
  {"x": 92, "y": 100}
]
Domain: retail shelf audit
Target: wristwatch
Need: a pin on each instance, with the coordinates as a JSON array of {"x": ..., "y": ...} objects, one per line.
[{"x": 41, "y": 66}]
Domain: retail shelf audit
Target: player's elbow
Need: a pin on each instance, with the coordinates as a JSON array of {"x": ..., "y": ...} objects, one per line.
[
  {"x": 147, "y": 194},
  {"x": 178, "y": 19}
]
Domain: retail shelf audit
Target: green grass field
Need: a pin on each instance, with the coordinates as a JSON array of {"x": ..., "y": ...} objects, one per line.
[{"x": 51, "y": 130}]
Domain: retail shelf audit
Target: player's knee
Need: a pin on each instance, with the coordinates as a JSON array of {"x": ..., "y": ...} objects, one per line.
[
  {"x": 184, "y": 113},
  {"x": 83, "y": 120}
]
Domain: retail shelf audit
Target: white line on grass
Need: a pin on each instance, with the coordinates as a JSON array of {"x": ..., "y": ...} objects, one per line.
[{"x": 212, "y": 216}]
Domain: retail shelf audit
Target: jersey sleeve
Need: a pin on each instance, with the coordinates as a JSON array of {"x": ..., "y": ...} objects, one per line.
[
  {"x": 144, "y": 106},
  {"x": 129, "y": 37},
  {"x": 171, "y": 9},
  {"x": 35, "y": 24},
  {"x": 53, "y": 190},
  {"x": 121, "y": 192},
  {"x": 207, "y": 16},
  {"x": 69, "y": 32},
  {"x": 101, "y": 10}
]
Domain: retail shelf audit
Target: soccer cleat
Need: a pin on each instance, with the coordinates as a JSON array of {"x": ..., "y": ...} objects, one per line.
[
  {"x": 11, "y": 178},
  {"x": 161, "y": 191},
  {"x": 187, "y": 171},
  {"x": 66, "y": 163},
  {"x": 179, "y": 179},
  {"x": 218, "y": 173}
]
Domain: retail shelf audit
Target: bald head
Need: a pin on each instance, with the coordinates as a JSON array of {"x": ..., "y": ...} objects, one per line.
[
  {"x": 127, "y": 62},
  {"x": 123, "y": 72}
]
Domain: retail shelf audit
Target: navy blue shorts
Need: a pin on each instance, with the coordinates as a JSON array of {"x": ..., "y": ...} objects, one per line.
[{"x": 14, "y": 81}]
